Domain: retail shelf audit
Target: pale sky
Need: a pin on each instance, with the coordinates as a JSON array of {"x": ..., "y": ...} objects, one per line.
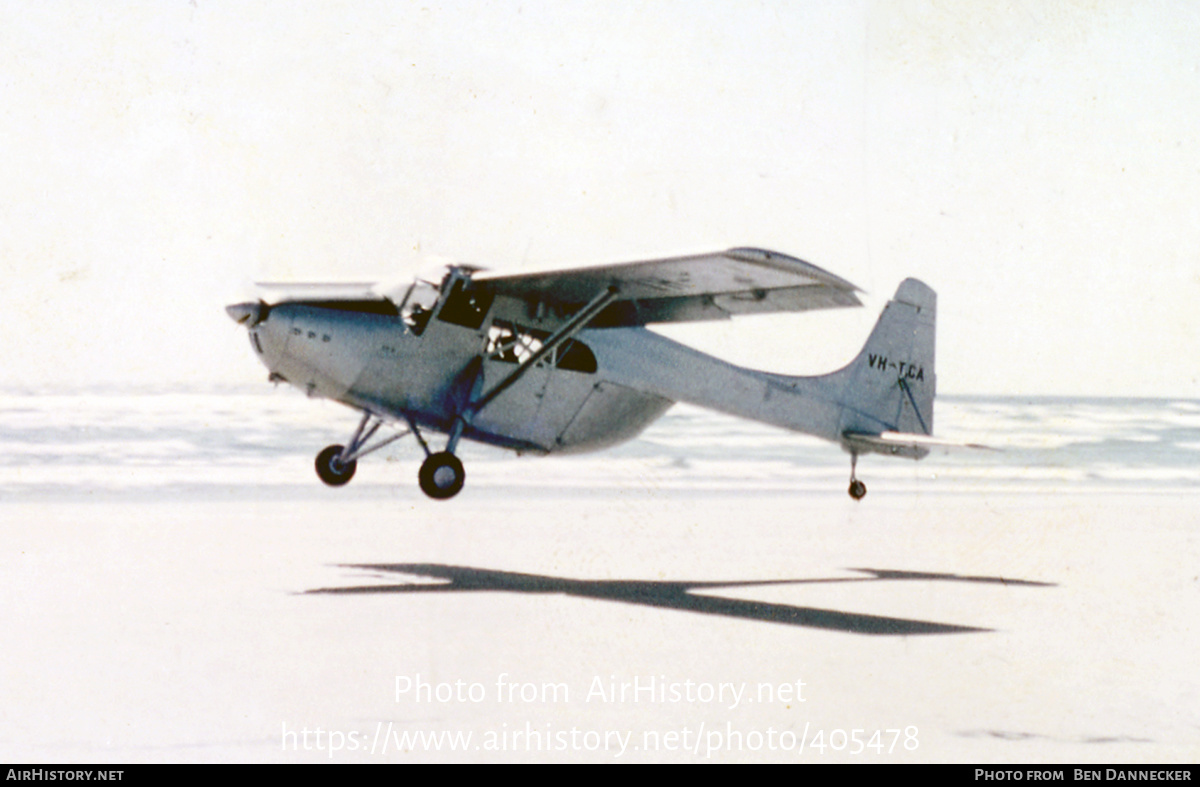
[{"x": 1038, "y": 164}]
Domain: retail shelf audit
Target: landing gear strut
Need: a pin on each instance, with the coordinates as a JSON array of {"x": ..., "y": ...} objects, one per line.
[
  {"x": 441, "y": 475},
  {"x": 337, "y": 463},
  {"x": 858, "y": 489}
]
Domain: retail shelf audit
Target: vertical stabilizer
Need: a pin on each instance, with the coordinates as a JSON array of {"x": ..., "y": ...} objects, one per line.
[{"x": 890, "y": 386}]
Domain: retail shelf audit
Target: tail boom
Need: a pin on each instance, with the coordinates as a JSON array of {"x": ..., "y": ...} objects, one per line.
[{"x": 888, "y": 388}]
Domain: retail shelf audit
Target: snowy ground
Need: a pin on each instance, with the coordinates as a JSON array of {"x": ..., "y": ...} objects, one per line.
[{"x": 912, "y": 627}]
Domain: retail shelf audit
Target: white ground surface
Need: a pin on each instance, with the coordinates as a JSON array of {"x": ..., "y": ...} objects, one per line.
[{"x": 181, "y": 631}]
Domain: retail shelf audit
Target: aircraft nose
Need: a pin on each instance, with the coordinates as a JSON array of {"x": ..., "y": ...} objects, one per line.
[{"x": 248, "y": 314}]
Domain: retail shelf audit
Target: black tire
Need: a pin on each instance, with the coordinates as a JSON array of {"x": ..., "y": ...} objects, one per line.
[
  {"x": 442, "y": 476},
  {"x": 858, "y": 489},
  {"x": 333, "y": 472}
]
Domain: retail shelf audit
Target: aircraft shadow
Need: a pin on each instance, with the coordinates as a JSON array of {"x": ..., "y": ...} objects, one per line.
[{"x": 681, "y": 595}]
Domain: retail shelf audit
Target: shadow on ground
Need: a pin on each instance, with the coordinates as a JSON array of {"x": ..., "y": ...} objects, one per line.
[{"x": 685, "y": 596}]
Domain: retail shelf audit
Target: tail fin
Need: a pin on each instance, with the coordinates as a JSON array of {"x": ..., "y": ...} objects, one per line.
[{"x": 890, "y": 386}]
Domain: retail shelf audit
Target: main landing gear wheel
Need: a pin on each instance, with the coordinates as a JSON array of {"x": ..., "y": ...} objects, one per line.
[
  {"x": 442, "y": 475},
  {"x": 332, "y": 470}
]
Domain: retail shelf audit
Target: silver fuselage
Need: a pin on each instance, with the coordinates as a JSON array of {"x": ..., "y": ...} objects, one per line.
[{"x": 381, "y": 364}]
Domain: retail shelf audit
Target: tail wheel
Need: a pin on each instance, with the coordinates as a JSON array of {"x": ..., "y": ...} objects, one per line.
[
  {"x": 441, "y": 476},
  {"x": 858, "y": 489},
  {"x": 332, "y": 470}
]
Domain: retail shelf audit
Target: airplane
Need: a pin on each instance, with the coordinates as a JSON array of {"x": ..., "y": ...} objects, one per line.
[{"x": 561, "y": 361}]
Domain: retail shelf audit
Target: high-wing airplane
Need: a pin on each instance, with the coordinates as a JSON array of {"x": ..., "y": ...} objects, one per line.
[{"x": 562, "y": 362}]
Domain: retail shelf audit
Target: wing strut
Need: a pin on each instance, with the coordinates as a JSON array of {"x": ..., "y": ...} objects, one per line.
[{"x": 567, "y": 331}]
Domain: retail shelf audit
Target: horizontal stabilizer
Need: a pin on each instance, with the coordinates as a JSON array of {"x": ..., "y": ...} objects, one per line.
[{"x": 913, "y": 446}]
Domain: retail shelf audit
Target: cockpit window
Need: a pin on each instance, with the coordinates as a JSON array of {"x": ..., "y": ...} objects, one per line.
[
  {"x": 418, "y": 304},
  {"x": 466, "y": 306}
]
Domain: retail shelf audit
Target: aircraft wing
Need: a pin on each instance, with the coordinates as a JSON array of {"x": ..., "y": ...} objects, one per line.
[
  {"x": 274, "y": 292},
  {"x": 700, "y": 287}
]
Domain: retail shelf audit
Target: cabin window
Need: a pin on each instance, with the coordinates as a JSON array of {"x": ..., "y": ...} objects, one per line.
[
  {"x": 466, "y": 306},
  {"x": 418, "y": 304},
  {"x": 575, "y": 356},
  {"x": 512, "y": 343}
]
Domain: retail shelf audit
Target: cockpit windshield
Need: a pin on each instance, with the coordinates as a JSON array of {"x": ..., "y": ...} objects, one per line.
[{"x": 418, "y": 305}]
